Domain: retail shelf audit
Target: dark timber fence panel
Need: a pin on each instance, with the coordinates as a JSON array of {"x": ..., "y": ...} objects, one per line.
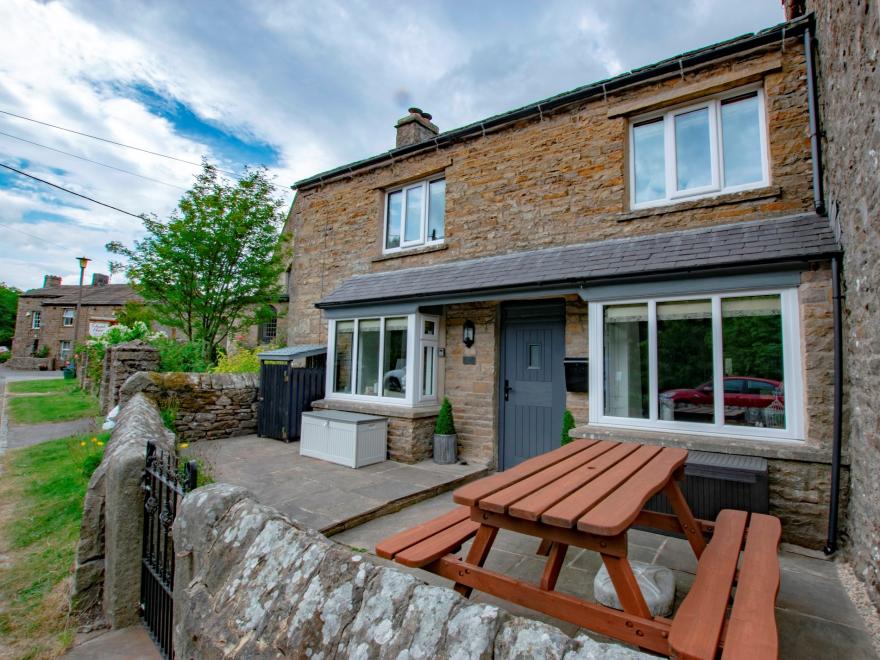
[{"x": 285, "y": 393}]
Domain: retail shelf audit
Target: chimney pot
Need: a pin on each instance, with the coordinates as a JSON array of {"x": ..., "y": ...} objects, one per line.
[
  {"x": 415, "y": 127},
  {"x": 99, "y": 279}
]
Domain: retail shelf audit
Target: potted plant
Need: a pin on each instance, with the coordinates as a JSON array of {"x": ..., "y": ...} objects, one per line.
[{"x": 445, "y": 438}]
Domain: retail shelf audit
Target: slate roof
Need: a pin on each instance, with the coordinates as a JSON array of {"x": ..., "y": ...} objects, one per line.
[
  {"x": 67, "y": 294},
  {"x": 788, "y": 238}
]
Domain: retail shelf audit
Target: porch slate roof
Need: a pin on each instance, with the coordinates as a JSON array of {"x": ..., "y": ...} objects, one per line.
[{"x": 769, "y": 241}]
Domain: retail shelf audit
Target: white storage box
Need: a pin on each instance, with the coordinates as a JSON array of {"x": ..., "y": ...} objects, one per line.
[{"x": 346, "y": 438}]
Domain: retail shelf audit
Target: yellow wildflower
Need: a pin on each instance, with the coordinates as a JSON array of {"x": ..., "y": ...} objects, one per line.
[
  {"x": 82, "y": 443},
  {"x": 100, "y": 444},
  {"x": 184, "y": 445},
  {"x": 94, "y": 439}
]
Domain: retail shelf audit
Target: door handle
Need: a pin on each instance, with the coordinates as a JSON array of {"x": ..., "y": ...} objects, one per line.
[{"x": 507, "y": 390}]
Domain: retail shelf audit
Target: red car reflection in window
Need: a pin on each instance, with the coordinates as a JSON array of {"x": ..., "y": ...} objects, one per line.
[{"x": 739, "y": 392}]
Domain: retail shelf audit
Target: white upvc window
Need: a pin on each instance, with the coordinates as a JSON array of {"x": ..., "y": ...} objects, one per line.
[
  {"x": 660, "y": 363},
  {"x": 36, "y": 320},
  {"x": 415, "y": 215},
  {"x": 716, "y": 146},
  {"x": 390, "y": 359},
  {"x": 68, "y": 317},
  {"x": 65, "y": 350}
]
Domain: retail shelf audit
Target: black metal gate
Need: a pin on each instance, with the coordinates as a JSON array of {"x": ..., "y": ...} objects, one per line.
[
  {"x": 164, "y": 483},
  {"x": 285, "y": 392}
]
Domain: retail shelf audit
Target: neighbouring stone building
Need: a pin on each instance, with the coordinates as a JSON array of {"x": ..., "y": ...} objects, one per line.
[
  {"x": 47, "y": 316},
  {"x": 623, "y": 250}
]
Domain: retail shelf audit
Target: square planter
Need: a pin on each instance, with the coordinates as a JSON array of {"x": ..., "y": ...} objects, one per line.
[{"x": 346, "y": 438}]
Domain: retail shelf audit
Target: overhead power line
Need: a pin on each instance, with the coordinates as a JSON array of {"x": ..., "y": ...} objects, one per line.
[
  {"x": 89, "y": 160},
  {"x": 68, "y": 191}
]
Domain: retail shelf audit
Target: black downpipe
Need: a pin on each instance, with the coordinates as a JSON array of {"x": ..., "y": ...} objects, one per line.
[
  {"x": 815, "y": 145},
  {"x": 831, "y": 544}
]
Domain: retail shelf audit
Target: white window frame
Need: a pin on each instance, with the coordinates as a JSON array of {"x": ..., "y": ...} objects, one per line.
[
  {"x": 423, "y": 219},
  {"x": 36, "y": 320},
  {"x": 428, "y": 341},
  {"x": 716, "y": 149},
  {"x": 64, "y": 354},
  {"x": 791, "y": 365},
  {"x": 65, "y": 317},
  {"x": 415, "y": 340}
]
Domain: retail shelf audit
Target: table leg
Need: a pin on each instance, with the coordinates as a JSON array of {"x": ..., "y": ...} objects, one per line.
[
  {"x": 544, "y": 548},
  {"x": 479, "y": 551},
  {"x": 555, "y": 559},
  {"x": 686, "y": 519},
  {"x": 626, "y": 586}
]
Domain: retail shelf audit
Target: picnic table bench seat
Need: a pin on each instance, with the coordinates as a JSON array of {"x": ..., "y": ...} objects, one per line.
[
  {"x": 419, "y": 546},
  {"x": 701, "y": 624}
]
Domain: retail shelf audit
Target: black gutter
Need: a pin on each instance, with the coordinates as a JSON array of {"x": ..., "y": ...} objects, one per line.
[
  {"x": 673, "y": 65},
  {"x": 815, "y": 135},
  {"x": 837, "y": 431}
]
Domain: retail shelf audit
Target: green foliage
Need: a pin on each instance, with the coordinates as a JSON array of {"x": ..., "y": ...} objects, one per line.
[
  {"x": 8, "y": 309},
  {"x": 243, "y": 361},
  {"x": 567, "y": 426},
  {"x": 5, "y": 356},
  {"x": 445, "y": 423},
  {"x": 42, "y": 351},
  {"x": 90, "y": 464},
  {"x": 169, "y": 415},
  {"x": 134, "y": 312},
  {"x": 181, "y": 356},
  {"x": 212, "y": 266}
]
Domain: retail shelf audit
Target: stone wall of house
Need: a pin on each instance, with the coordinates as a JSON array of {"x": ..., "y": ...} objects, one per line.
[
  {"x": 848, "y": 36},
  {"x": 106, "y": 579},
  {"x": 249, "y": 583},
  {"x": 120, "y": 363},
  {"x": 539, "y": 183},
  {"x": 472, "y": 387},
  {"x": 207, "y": 406},
  {"x": 577, "y": 345}
]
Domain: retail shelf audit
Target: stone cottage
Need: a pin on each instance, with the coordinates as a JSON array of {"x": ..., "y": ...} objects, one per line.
[
  {"x": 46, "y": 318},
  {"x": 644, "y": 251}
]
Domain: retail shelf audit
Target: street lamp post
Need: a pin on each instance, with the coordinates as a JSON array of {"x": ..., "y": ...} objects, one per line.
[{"x": 83, "y": 262}]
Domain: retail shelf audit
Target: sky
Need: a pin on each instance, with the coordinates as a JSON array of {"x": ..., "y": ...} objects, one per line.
[{"x": 300, "y": 87}]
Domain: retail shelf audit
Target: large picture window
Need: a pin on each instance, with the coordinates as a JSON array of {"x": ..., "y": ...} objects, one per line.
[
  {"x": 415, "y": 215},
  {"x": 718, "y": 145},
  {"x": 379, "y": 358},
  {"x": 722, "y": 363}
]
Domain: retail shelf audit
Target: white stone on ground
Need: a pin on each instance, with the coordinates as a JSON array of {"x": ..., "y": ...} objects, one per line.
[{"x": 656, "y": 582}]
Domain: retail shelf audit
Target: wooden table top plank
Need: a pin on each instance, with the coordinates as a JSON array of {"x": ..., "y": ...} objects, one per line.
[
  {"x": 617, "y": 512},
  {"x": 473, "y": 492},
  {"x": 437, "y": 546},
  {"x": 568, "y": 511},
  {"x": 532, "y": 506},
  {"x": 389, "y": 547},
  {"x": 500, "y": 500},
  {"x": 696, "y": 627},
  {"x": 751, "y": 629}
]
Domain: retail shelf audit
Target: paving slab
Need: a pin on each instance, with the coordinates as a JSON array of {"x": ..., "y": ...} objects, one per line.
[
  {"x": 25, "y": 435},
  {"x": 321, "y": 495},
  {"x": 132, "y": 643},
  {"x": 814, "y": 615}
]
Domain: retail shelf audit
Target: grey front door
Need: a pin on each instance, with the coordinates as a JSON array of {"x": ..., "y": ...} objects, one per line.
[{"x": 532, "y": 383}]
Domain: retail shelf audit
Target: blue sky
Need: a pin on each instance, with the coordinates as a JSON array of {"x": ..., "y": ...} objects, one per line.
[{"x": 297, "y": 86}]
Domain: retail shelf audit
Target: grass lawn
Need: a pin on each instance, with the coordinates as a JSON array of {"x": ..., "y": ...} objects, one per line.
[
  {"x": 49, "y": 401},
  {"x": 41, "y": 494}
]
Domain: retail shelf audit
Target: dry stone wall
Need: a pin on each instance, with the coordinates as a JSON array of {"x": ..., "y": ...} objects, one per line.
[
  {"x": 208, "y": 406},
  {"x": 120, "y": 362},
  {"x": 249, "y": 583}
]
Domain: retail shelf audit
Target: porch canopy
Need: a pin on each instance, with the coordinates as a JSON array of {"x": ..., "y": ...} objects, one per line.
[
  {"x": 291, "y": 353},
  {"x": 776, "y": 247}
]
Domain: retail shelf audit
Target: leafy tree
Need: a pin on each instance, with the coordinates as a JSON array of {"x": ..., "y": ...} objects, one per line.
[
  {"x": 210, "y": 269},
  {"x": 134, "y": 311},
  {"x": 8, "y": 307}
]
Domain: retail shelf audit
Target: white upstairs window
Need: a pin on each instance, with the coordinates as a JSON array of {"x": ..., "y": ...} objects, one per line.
[{"x": 415, "y": 215}]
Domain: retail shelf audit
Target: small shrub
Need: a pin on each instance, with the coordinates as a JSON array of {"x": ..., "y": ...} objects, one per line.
[
  {"x": 445, "y": 423},
  {"x": 169, "y": 416},
  {"x": 5, "y": 356},
  {"x": 181, "y": 356},
  {"x": 567, "y": 425},
  {"x": 42, "y": 351},
  {"x": 243, "y": 361}
]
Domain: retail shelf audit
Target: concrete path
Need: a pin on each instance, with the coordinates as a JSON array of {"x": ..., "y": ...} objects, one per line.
[
  {"x": 16, "y": 374},
  {"x": 815, "y": 616},
  {"x": 322, "y": 495},
  {"x": 131, "y": 643}
]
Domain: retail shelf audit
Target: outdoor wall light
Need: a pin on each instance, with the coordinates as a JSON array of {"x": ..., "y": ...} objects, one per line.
[{"x": 468, "y": 333}]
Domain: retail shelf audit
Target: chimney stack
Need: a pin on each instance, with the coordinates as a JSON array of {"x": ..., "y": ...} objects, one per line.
[
  {"x": 415, "y": 127},
  {"x": 99, "y": 279},
  {"x": 51, "y": 280},
  {"x": 794, "y": 8}
]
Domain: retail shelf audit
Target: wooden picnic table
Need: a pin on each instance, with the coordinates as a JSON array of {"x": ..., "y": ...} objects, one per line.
[{"x": 588, "y": 494}]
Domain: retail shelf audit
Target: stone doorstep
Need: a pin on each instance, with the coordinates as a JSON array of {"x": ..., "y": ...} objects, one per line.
[{"x": 395, "y": 505}]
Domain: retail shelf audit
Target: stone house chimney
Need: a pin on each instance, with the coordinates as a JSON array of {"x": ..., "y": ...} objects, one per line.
[
  {"x": 51, "y": 280},
  {"x": 794, "y": 8},
  {"x": 415, "y": 127},
  {"x": 99, "y": 279}
]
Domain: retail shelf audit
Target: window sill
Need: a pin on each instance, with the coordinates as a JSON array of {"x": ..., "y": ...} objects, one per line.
[
  {"x": 384, "y": 409},
  {"x": 792, "y": 450},
  {"x": 409, "y": 252},
  {"x": 767, "y": 192}
]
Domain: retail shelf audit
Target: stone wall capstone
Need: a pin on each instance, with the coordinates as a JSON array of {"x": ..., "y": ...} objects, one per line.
[
  {"x": 106, "y": 581},
  {"x": 208, "y": 406},
  {"x": 249, "y": 583}
]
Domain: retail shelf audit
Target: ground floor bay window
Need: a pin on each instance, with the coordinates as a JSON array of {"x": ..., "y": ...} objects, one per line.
[
  {"x": 708, "y": 363},
  {"x": 389, "y": 358}
]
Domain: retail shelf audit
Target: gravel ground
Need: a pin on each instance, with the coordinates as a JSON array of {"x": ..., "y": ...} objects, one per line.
[{"x": 859, "y": 595}]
